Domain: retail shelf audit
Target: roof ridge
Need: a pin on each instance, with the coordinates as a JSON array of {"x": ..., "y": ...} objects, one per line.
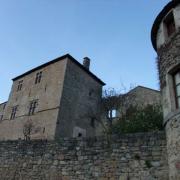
[{"x": 56, "y": 60}]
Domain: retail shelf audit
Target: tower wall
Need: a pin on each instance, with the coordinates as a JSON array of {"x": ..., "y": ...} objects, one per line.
[
  {"x": 166, "y": 41},
  {"x": 162, "y": 32},
  {"x": 168, "y": 63}
]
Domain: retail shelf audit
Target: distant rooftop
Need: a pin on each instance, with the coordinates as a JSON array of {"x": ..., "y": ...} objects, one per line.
[{"x": 143, "y": 88}]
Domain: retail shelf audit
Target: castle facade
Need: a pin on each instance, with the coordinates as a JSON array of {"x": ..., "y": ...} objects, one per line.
[{"x": 52, "y": 100}]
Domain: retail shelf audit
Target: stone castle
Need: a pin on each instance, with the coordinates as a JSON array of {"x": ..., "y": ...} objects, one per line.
[
  {"x": 56, "y": 97},
  {"x": 149, "y": 156},
  {"x": 61, "y": 98}
]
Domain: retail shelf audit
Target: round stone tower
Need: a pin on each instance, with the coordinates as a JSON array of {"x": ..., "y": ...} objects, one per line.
[{"x": 165, "y": 36}]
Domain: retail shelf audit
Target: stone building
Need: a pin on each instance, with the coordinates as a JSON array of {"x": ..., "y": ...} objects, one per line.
[
  {"x": 55, "y": 99},
  {"x": 143, "y": 96},
  {"x": 165, "y": 37}
]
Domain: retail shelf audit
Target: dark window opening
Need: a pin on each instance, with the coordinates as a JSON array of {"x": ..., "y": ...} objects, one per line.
[
  {"x": 45, "y": 88},
  {"x": 13, "y": 112},
  {"x": 32, "y": 107},
  {"x": 79, "y": 135},
  {"x": 38, "y": 77},
  {"x": 20, "y": 84},
  {"x": 170, "y": 24},
  {"x": 44, "y": 130},
  {"x": 93, "y": 122},
  {"x": 90, "y": 93}
]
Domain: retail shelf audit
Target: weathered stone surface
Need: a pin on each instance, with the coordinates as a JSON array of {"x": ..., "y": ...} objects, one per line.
[
  {"x": 169, "y": 63},
  {"x": 78, "y": 159},
  {"x": 68, "y": 99}
]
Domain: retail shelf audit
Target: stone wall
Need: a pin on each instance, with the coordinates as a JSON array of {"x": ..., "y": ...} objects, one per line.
[
  {"x": 168, "y": 57},
  {"x": 80, "y": 103},
  {"x": 47, "y": 92},
  {"x": 173, "y": 144},
  {"x": 143, "y": 96},
  {"x": 128, "y": 157},
  {"x": 68, "y": 100},
  {"x": 169, "y": 63}
]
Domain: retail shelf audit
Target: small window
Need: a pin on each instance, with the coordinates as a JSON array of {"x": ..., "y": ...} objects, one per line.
[
  {"x": 177, "y": 88},
  {"x": 79, "y": 135},
  {"x": 91, "y": 92},
  {"x": 170, "y": 24},
  {"x": 4, "y": 106},
  {"x": 32, "y": 107},
  {"x": 112, "y": 113},
  {"x": 93, "y": 122},
  {"x": 13, "y": 112},
  {"x": 20, "y": 84},
  {"x": 38, "y": 77},
  {"x": 1, "y": 117}
]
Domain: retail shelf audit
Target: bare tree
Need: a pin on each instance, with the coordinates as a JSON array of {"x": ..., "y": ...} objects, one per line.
[
  {"x": 111, "y": 100},
  {"x": 109, "y": 103},
  {"x": 120, "y": 102},
  {"x": 27, "y": 130}
]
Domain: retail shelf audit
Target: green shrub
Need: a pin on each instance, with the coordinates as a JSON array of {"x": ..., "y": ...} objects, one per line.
[{"x": 140, "y": 119}]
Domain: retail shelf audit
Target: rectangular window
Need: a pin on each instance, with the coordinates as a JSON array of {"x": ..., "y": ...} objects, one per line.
[
  {"x": 20, "y": 83},
  {"x": 93, "y": 122},
  {"x": 1, "y": 117},
  {"x": 38, "y": 77},
  {"x": 170, "y": 24},
  {"x": 177, "y": 88},
  {"x": 13, "y": 112},
  {"x": 4, "y": 106},
  {"x": 112, "y": 113},
  {"x": 33, "y": 107}
]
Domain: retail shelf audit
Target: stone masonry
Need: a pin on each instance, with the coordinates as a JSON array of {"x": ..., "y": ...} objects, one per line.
[
  {"x": 134, "y": 157},
  {"x": 65, "y": 96},
  {"x": 166, "y": 41}
]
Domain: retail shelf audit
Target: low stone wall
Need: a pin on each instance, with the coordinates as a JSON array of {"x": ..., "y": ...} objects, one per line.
[
  {"x": 173, "y": 144},
  {"x": 127, "y": 157}
]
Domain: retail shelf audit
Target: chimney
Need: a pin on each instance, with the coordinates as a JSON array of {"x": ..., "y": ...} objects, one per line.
[{"x": 86, "y": 63}]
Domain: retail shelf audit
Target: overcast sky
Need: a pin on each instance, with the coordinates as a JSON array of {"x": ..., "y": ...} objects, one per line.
[{"x": 114, "y": 34}]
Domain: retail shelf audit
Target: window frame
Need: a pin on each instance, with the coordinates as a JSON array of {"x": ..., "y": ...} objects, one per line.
[
  {"x": 112, "y": 112},
  {"x": 20, "y": 85},
  {"x": 175, "y": 88},
  {"x": 14, "y": 112},
  {"x": 32, "y": 107},
  {"x": 92, "y": 122},
  {"x": 38, "y": 77},
  {"x": 169, "y": 22}
]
